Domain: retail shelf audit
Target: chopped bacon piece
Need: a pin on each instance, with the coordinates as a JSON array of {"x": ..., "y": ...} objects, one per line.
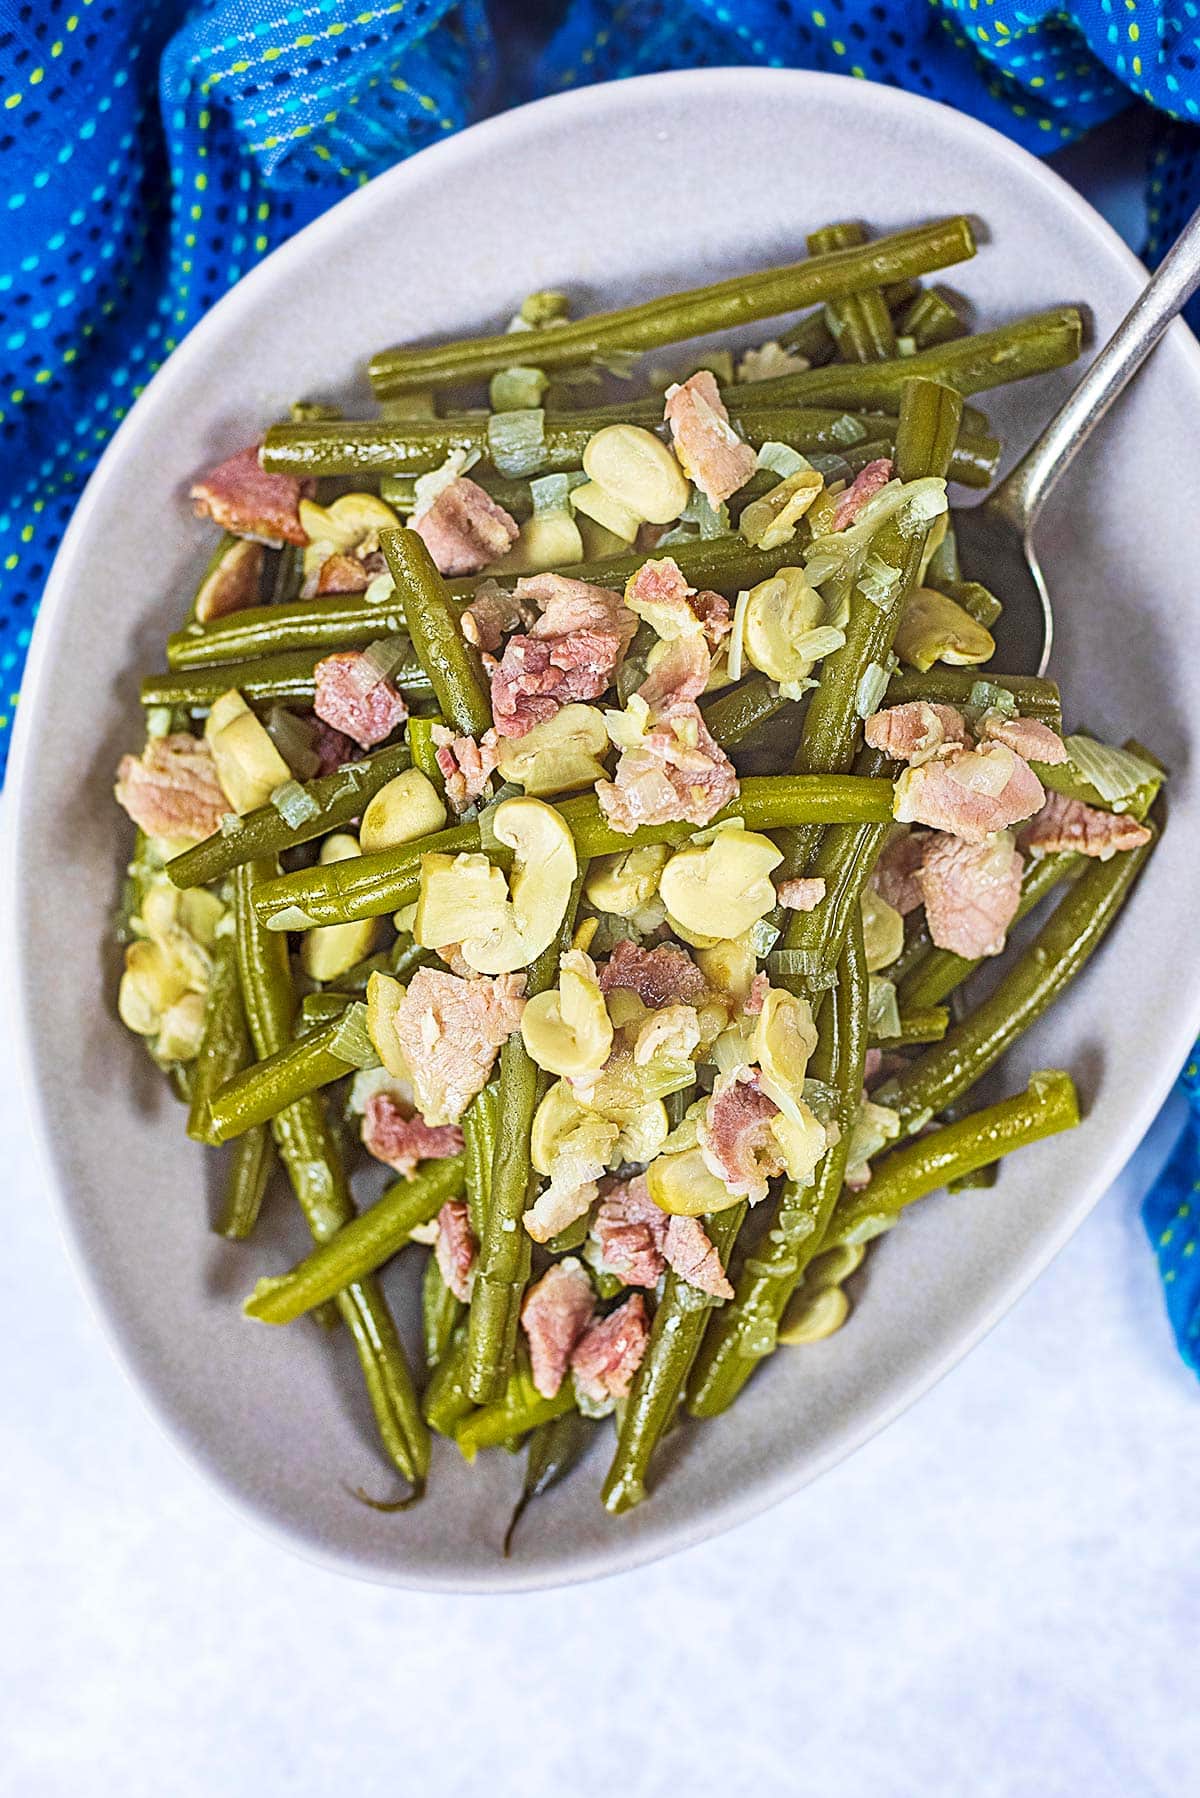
[
  {"x": 464, "y": 529},
  {"x": 451, "y": 1029},
  {"x": 659, "y": 593},
  {"x": 690, "y": 1254},
  {"x": 609, "y": 1353},
  {"x": 400, "y": 1141},
  {"x": 895, "y": 874},
  {"x": 492, "y": 613},
  {"x": 555, "y": 1312},
  {"x": 232, "y": 584},
  {"x": 872, "y": 1066},
  {"x": 800, "y": 894},
  {"x": 971, "y": 892},
  {"x": 343, "y": 573},
  {"x": 242, "y": 497},
  {"x": 455, "y": 1248},
  {"x": 629, "y": 1230},
  {"x": 1069, "y": 824},
  {"x": 466, "y": 765},
  {"x": 680, "y": 674},
  {"x": 171, "y": 789},
  {"x": 678, "y": 773},
  {"x": 709, "y": 449},
  {"x": 972, "y": 793},
  {"x": 736, "y": 1139},
  {"x": 333, "y": 748},
  {"x": 1029, "y": 737},
  {"x": 571, "y": 653},
  {"x": 637, "y": 1240},
  {"x": 865, "y": 485},
  {"x": 353, "y": 697},
  {"x": 756, "y": 998},
  {"x": 662, "y": 976},
  {"x": 915, "y": 729}
]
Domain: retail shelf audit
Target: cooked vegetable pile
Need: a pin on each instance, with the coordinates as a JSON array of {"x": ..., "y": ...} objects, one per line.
[{"x": 592, "y": 811}]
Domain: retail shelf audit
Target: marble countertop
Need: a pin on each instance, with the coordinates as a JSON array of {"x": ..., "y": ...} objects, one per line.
[{"x": 998, "y": 1597}]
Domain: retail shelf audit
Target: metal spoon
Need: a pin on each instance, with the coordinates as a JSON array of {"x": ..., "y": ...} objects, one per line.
[{"x": 995, "y": 539}]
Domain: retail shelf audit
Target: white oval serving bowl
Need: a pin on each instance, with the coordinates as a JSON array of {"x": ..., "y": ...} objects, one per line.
[{"x": 614, "y": 192}]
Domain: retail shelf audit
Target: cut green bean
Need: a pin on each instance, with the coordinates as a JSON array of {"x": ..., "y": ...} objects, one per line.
[
  {"x": 732, "y": 715},
  {"x": 250, "y": 1165},
  {"x": 225, "y": 1046},
  {"x": 680, "y": 1321},
  {"x": 677, "y": 317},
  {"x": 1070, "y": 936},
  {"x": 371, "y": 885},
  {"x": 329, "y": 621},
  {"x": 1013, "y": 352},
  {"x": 916, "y": 1027},
  {"x": 360, "y": 1246},
  {"x": 310, "y": 1154},
  {"x": 338, "y": 798},
  {"x": 479, "y": 1142},
  {"x": 952, "y": 686},
  {"x": 263, "y": 681},
  {"x": 930, "y": 320},
  {"x": 811, "y": 949},
  {"x": 261, "y": 1092},
  {"x": 746, "y": 1331},
  {"x": 441, "y": 1312},
  {"x": 859, "y": 323},
  {"x": 446, "y": 1401},
  {"x": 974, "y": 598},
  {"x": 555, "y": 1449},
  {"x": 505, "y": 1246},
  {"x": 519, "y": 1409},
  {"x": 928, "y": 423},
  {"x": 1048, "y": 1106},
  {"x": 423, "y": 748},
  {"x": 452, "y": 664}
]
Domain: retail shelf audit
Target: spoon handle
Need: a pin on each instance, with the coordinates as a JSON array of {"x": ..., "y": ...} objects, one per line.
[{"x": 1021, "y": 493}]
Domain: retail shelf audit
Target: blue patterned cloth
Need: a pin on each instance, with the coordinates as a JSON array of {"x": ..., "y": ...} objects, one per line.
[{"x": 152, "y": 153}]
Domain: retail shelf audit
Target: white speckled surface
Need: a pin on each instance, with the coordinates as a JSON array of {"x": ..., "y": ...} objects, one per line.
[{"x": 996, "y": 1597}]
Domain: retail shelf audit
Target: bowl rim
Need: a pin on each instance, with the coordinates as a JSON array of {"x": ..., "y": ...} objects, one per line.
[{"x": 766, "y": 1488}]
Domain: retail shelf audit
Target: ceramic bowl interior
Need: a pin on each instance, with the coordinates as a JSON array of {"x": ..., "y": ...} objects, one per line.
[{"x": 615, "y": 193}]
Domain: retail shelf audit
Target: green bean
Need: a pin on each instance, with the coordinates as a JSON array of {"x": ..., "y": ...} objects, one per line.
[
  {"x": 1048, "y": 1105},
  {"x": 479, "y": 1143},
  {"x": 404, "y": 957},
  {"x": 225, "y": 1045},
  {"x": 939, "y": 971},
  {"x": 926, "y": 1026},
  {"x": 952, "y": 686},
  {"x": 262, "y": 681},
  {"x": 423, "y": 748},
  {"x": 928, "y": 422},
  {"x": 359, "y": 1246},
  {"x": 261, "y": 1092},
  {"x": 519, "y": 1409},
  {"x": 400, "y": 490},
  {"x": 555, "y": 1449},
  {"x": 310, "y": 1154},
  {"x": 811, "y": 338},
  {"x": 441, "y": 1312},
  {"x": 325, "y": 1007},
  {"x": 737, "y": 711},
  {"x": 255, "y": 640},
  {"x": 251, "y": 1162},
  {"x": 1039, "y": 974},
  {"x": 930, "y": 320},
  {"x": 845, "y": 858},
  {"x": 860, "y": 323},
  {"x": 972, "y": 461},
  {"x": 680, "y": 1321},
  {"x": 288, "y": 575},
  {"x": 746, "y": 1330},
  {"x": 973, "y": 597},
  {"x": 446, "y": 1401},
  {"x": 371, "y": 885},
  {"x": 452, "y": 664},
  {"x": 1013, "y": 352},
  {"x": 675, "y": 317},
  {"x": 505, "y": 1247},
  {"x": 338, "y": 797}
]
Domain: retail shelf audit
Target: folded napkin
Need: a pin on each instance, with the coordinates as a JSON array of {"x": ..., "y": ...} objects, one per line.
[{"x": 151, "y": 154}]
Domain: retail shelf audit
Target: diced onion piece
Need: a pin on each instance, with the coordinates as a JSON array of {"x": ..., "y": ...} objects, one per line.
[{"x": 517, "y": 442}]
